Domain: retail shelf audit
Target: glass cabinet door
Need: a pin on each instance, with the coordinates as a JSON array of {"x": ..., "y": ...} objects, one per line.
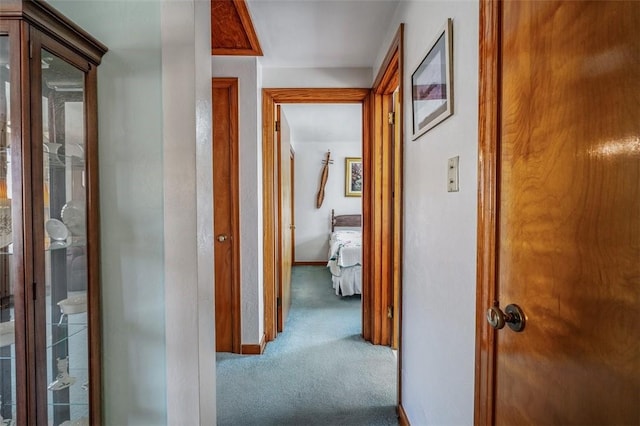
[
  {"x": 7, "y": 260},
  {"x": 65, "y": 256},
  {"x": 50, "y": 322}
]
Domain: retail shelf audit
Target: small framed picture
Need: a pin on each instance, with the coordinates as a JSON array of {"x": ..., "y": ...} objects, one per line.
[
  {"x": 431, "y": 84},
  {"x": 353, "y": 177}
]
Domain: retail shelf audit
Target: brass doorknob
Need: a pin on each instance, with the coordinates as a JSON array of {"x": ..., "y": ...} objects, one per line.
[
  {"x": 222, "y": 238},
  {"x": 513, "y": 316}
]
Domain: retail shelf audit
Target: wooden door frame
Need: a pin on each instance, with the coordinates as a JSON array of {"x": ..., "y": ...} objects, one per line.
[
  {"x": 231, "y": 84},
  {"x": 292, "y": 160},
  {"x": 488, "y": 173},
  {"x": 280, "y": 308},
  {"x": 278, "y": 195},
  {"x": 383, "y": 250},
  {"x": 271, "y": 97},
  {"x": 384, "y": 239}
]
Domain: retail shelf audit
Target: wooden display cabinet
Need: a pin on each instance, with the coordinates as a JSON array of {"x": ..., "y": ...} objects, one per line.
[{"x": 49, "y": 240}]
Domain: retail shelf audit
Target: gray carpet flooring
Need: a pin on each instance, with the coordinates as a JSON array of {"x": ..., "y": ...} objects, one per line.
[{"x": 318, "y": 372}]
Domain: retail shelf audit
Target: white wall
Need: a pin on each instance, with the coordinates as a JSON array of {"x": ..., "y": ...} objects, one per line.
[
  {"x": 131, "y": 206},
  {"x": 153, "y": 371},
  {"x": 188, "y": 211},
  {"x": 247, "y": 70},
  {"x": 316, "y": 77},
  {"x": 313, "y": 225},
  {"x": 439, "y": 227}
]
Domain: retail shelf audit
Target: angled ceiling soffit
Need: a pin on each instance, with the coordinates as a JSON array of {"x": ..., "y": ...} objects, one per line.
[{"x": 232, "y": 31}]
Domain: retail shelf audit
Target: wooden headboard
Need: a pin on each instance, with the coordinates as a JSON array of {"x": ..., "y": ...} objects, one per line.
[{"x": 351, "y": 220}]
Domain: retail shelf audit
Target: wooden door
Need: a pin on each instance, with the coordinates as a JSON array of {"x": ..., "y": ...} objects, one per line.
[
  {"x": 286, "y": 219},
  {"x": 559, "y": 212},
  {"x": 225, "y": 214},
  {"x": 396, "y": 214}
]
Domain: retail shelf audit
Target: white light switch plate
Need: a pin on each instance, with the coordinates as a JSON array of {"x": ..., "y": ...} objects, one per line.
[{"x": 452, "y": 174}]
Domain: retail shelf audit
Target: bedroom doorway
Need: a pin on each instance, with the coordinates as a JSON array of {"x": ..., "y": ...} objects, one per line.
[
  {"x": 318, "y": 132},
  {"x": 382, "y": 151},
  {"x": 270, "y": 157},
  {"x": 381, "y": 198}
]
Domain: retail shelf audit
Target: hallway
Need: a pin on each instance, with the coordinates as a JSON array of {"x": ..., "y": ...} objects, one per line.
[{"x": 318, "y": 372}]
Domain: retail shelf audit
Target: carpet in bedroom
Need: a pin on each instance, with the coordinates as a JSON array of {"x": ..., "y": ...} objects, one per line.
[{"x": 318, "y": 372}]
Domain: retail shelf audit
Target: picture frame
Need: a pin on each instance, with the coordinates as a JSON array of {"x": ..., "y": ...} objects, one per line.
[
  {"x": 353, "y": 177},
  {"x": 432, "y": 83}
]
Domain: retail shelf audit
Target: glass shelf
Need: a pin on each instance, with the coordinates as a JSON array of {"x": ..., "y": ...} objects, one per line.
[
  {"x": 57, "y": 157},
  {"x": 58, "y": 160},
  {"x": 63, "y": 162},
  {"x": 66, "y": 338},
  {"x": 62, "y": 244},
  {"x": 67, "y": 404},
  {"x": 67, "y": 325}
]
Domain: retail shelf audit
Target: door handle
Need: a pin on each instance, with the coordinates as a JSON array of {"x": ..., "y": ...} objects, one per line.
[
  {"x": 222, "y": 238},
  {"x": 513, "y": 316}
]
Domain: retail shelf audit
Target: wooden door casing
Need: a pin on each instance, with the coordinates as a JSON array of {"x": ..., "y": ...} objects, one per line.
[
  {"x": 271, "y": 97},
  {"x": 286, "y": 219},
  {"x": 225, "y": 214},
  {"x": 559, "y": 203},
  {"x": 382, "y": 203}
]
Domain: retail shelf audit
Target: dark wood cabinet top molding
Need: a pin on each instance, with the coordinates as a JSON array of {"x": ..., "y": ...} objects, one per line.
[
  {"x": 232, "y": 31},
  {"x": 55, "y": 25}
]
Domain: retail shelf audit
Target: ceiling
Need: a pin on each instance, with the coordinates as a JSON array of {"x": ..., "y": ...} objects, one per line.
[
  {"x": 320, "y": 33},
  {"x": 306, "y": 34}
]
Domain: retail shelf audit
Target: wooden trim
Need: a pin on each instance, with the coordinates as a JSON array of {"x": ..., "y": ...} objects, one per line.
[
  {"x": 245, "y": 17},
  {"x": 317, "y": 96},
  {"x": 235, "y": 218},
  {"x": 253, "y": 349},
  {"x": 376, "y": 198},
  {"x": 231, "y": 84},
  {"x": 398, "y": 202},
  {"x": 403, "y": 420},
  {"x": 271, "y": 97},
  {"x": 388, "y": 77},
  {"x": 36, "y": 178},
  {"x": 279, "y": 240},
  {"x": 385, "y": 206},
  {"x": 21, "y": 218},
  {"x": 269, "y": 216},
  {"x": 311, "y": 263},
  {"x": 488, "y": 172},
  {"x": 386, "y": 200},
  {"x": 292, "y": 156},
  {"x": 249, "y": 31},
  {"x": 367, "y": 225},
  {"x": 53, "y": 24},
  {"x": 93, "y": 250}
]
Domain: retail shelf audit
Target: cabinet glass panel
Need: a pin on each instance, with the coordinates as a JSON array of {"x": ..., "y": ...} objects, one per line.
[
  {"x": 7, "y": 284},
  {"x": 63, "y": 124}
]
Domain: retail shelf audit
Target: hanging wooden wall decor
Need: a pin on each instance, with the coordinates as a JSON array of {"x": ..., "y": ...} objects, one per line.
[{"x": 323, "y": 179}]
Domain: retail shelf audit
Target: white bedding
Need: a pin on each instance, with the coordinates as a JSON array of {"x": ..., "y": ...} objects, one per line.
[{"x": 345, "y": 262}]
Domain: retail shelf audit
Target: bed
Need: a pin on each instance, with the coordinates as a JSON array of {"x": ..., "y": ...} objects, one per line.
[{"x": 345, "y": 254}]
